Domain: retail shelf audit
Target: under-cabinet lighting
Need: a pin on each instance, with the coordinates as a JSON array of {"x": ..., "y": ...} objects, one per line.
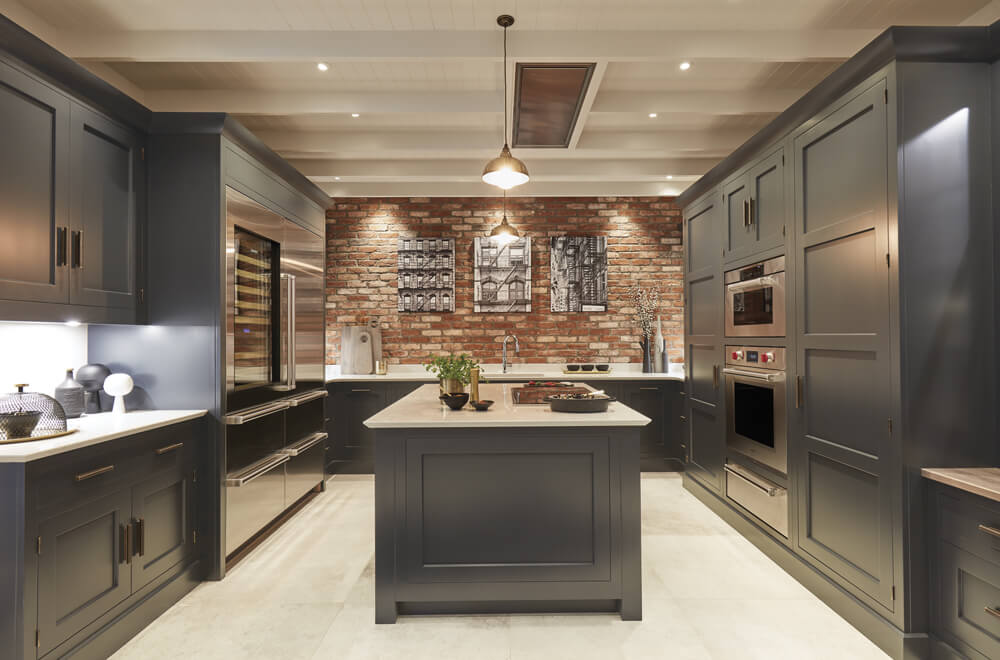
[{"x": 73, "y": 323}]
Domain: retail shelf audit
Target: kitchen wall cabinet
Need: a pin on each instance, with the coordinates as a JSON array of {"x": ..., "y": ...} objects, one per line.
[
  {"x": 70, "y": 206},
  {"x": 703, "y": 341},
  {"x": 104, "y": 527},
  {"x": 755, "y": 208}
]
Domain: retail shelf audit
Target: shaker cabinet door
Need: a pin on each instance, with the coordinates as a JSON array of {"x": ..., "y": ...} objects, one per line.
[
  {"x": 162, "y": 511},
  {"x": 739, "y": 232},
  {"x": 83, "y": 567},
  {"x": 103, "y": 211},
  {"x": 767, "y": 201},
  {"x": 34, "y": 160}
]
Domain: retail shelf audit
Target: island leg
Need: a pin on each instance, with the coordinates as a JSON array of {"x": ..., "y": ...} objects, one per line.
[
  {"x": 631, "y": 517},
  {"x": 385, "y": 538}
]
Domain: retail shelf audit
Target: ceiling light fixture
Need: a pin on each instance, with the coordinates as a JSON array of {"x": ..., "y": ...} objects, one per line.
[
  {"x": 504, "y": 232},
  {"x": 336, "y": 178},
  {"x": 355, "y": 115},
  {"x": 505, "y": 171},
  {"x": 684, "y": 66},
  {"x": 322, "y": 66},
  {"x": 670, "y": 176},
  {"x": 652, "y": 115}
]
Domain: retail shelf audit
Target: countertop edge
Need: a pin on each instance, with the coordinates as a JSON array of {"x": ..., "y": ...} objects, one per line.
[
  {"x": 406, "y": 378},
  {"x": 960, "y": 479},
  {"x": 79, "y": 440}
]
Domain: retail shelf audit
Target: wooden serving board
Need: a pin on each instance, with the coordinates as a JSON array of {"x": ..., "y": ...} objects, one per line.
[{"x": 539, "y": 394}]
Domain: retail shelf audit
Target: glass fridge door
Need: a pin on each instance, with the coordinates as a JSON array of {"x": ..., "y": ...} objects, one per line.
[{"x": 254, "y": 323}]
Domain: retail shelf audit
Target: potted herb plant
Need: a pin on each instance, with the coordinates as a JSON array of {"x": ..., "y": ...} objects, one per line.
[{"x": 454, "y": 371}]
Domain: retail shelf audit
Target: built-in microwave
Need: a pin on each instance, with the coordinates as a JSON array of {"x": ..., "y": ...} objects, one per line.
[{"x": 755, "y": 300}]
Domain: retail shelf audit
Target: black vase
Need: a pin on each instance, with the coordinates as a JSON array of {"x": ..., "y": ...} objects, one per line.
[
  {"x": 647, "y": 357},
  {"x": 92, "y": 376}
]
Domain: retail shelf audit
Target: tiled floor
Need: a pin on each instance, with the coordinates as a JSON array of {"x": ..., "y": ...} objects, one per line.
[{"x": 308, "y": 592}]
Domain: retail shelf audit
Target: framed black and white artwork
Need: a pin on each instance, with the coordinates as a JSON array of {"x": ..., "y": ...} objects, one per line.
[
  {"x": 425, "y": 268},
  {"x": 579, "y": 273},
  {"x": 502, "y": 275}
]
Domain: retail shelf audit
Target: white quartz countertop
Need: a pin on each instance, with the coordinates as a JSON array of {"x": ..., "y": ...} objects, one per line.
[
  {"x": 95, "y": 429},
  {"x": 493, "y": 372},
  {"x": 422, "y": 409}
]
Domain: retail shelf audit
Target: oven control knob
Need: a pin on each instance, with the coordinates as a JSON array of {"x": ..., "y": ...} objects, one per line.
[
  {"x": 737, "y": 355},
  {"x": 767, "y": 357}
]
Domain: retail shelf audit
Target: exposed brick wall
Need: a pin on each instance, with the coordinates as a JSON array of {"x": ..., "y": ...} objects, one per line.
[{"x": 644, "y": 248}]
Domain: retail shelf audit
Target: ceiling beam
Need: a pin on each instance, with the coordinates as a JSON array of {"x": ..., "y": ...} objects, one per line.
[
  {"x": 525, "y": 45},
  {"x": 429, "y": 169},
  {"x": 596, "y": 78},
  {"x": 480, "y": 189},
  {"x": 482, "y": 144},
  {"x": 259, "y": 102}
]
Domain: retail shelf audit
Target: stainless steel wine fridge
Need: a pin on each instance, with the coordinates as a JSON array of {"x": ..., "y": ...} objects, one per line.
[{"x": 275, "y": 353}]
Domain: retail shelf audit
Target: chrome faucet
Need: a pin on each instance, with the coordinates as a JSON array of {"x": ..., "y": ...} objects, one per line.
[{"x": 517, "y": 349}]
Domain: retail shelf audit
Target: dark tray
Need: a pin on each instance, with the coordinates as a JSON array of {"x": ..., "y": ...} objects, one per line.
[{"x": 580, "y": 405}]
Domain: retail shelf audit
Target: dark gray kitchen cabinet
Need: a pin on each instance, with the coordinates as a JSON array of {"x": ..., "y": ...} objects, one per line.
[
  {"x": 352, "y": 443},
  {"x": 163, "y": 513},
  {"x": 843, "y": 342},
  {"x": 83, "y": 568},
  {"x": 755, "y": 207},
  {"x": 34, "y": 197},
  {"x": 703, "y": 341},
  {"x": 105, "y": 166},
  {"x": 649, "y": 399}
]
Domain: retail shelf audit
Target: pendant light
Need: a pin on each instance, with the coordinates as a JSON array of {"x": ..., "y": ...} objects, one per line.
[
  {"x": 504, "y": 232},
  {"x": 505, "y": 171}
]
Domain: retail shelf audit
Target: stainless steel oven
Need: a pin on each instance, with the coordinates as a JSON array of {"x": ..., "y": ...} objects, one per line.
[
  {"x": 755, "y": 404},
  {"x": 755, "y": 300}
]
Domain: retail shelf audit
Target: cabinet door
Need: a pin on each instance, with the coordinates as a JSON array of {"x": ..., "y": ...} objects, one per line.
[
  {"x": 703, "y": 346},
  {"x": 355, "y": 446},
  {"x": 673, "y": 425},
  {"x": 162, "y": 511},
  {"x": 103, "y": 211},
  {"x": 82, "y": 568},
  {"x": 843, "y": 324},
  {"x": 767, "y": 201},
  {"x": 34, "y": 162},
  {"x": 648, "y": 399},
  {"x": 736, "y": 200}
]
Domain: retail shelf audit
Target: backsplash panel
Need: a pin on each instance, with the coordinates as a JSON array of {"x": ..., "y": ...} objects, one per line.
[
  {"x": 644, "y": 248},
  {"x": 39, "y": 354}
]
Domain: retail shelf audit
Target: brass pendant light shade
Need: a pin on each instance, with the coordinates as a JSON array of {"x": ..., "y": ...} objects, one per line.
[
  {"x": 505, "y": 171},
  {"x": 504, "y": 232}
]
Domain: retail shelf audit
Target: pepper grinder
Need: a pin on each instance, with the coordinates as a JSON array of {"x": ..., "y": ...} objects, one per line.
[{"x": 474, "y": 386}]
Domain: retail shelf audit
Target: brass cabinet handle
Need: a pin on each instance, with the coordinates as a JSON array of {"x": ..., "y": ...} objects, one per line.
[
  {"x": 128, "y": 543},
  {"x": 93, "y": 473},
  {"x": 60, "y": 246},
  {"x": 992, "y": 531},
  {"x": 683, "y": 418},
  {"x": 361, "y": 390},
  {"x": 751, "y": 213},
  {"x": 78, "y": 249},
  {"x": 798, "y": 391},
  {"x": 992, "y": 610},
  {"x": 140, "y": 535},
  {"x": 746, "y": 213},
  {"x": 650, "y": 389},
  {"x": 169, "y": 448},
  {"x": 715, "y": 376},
  {"x": 121, "y": 544}
]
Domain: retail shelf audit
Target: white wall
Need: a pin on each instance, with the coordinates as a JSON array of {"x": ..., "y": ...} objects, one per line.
[{"x": 39, "y": 354}]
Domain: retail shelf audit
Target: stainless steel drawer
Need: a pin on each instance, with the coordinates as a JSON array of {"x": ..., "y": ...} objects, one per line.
[
  {"x": 764, "y": 500},
  {"x": 254, "y": 497},
  {"x": 305, "y": 469},
  {"x": 968, "y": 613}
]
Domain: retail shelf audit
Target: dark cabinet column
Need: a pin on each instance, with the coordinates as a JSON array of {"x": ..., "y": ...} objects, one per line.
[
  {"x": 649, "y": 399},
  {"x": 103, "y": 246},
  {"x": 34, "y": 190},
  {"x": 84, "y": 566}
]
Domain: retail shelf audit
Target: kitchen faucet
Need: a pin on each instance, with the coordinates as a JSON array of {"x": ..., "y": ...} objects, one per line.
[{"x": 517, "y": 349}]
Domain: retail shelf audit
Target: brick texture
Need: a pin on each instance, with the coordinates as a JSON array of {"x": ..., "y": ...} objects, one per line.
[{"x": 644, "y": 248}]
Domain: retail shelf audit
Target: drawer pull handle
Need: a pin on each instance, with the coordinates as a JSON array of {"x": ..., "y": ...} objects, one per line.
[
  {"x": 121, "y": 543},
  {"x": 169, "y": 448},
  {"x": 992, "y": 610},
  {"x": 361, "y": 390},
  {"x": 992, "y": 531},
  {"x": 650, "y": 389},
  {"x": 93, "y": 473},
  {"x": 140, "y": 533}
]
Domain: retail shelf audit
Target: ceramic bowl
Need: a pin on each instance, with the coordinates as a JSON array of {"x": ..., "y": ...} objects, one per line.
[
  {"x": 572, "y": 367},
  {"x": 587, "y": 367},
  {"x": 482, "y": 404},
  {"x": 455, "y": 401},
  {"x": 20, "y": 424},
  {"x": 603, "y": 367}
]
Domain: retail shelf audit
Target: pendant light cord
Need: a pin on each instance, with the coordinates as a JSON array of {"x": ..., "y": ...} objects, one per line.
[{"x": 505, "y": 85}]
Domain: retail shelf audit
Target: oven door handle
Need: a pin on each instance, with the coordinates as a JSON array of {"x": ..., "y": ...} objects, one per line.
[
  {"x": 770, "y": 490},
  {"x": 750, "y": 374},
  {"x": 758, "y": 283}
]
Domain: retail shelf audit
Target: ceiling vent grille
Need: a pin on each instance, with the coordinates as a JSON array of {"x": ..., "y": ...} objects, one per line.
[{"x": 547, "y": 100}]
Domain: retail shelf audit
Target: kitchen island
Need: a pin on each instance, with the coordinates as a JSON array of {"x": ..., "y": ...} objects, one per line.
[{"x": 515, "y": 509}]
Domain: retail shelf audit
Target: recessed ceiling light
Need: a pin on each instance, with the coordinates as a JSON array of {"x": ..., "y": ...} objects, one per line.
[
  {"x": 336, "y": 178},
  {"x": 355, "y": 115},
  {"x": 684, "y": 66},
  {"x": 670, "y": 176},
  {"x": 322, "y": 66},
  {"x": 652, "y": 115}
]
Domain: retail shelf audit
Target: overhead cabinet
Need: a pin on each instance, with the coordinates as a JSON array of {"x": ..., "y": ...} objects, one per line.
[
  {"x": 70, "y": 181},
  {"x": 755, "y": 208}
]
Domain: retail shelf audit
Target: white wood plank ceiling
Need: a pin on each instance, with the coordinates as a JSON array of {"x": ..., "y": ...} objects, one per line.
[{"x": 425, "y": 77}]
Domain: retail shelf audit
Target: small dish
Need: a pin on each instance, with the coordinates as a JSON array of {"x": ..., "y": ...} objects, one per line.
[
  {"x": 603, "y": 367},
  {"x": 482, "y": 404},
  {"x": 455, "y": 401},
  {"x": 572, "y": 367},
  {"x": 587, "y": 367}
]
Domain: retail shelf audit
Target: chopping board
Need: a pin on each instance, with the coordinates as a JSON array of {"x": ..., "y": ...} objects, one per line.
[{"x": 538, "y": 394}]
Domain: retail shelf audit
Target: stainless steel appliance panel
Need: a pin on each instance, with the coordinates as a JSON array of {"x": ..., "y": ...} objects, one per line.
[
  {"x": 254, "y": 498},
  {"x": 305, "y": 470},
  {"x": 765, "y": 500},
  {"x": 756, "y": 414},
  {"x": 755, "y": 300}
]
